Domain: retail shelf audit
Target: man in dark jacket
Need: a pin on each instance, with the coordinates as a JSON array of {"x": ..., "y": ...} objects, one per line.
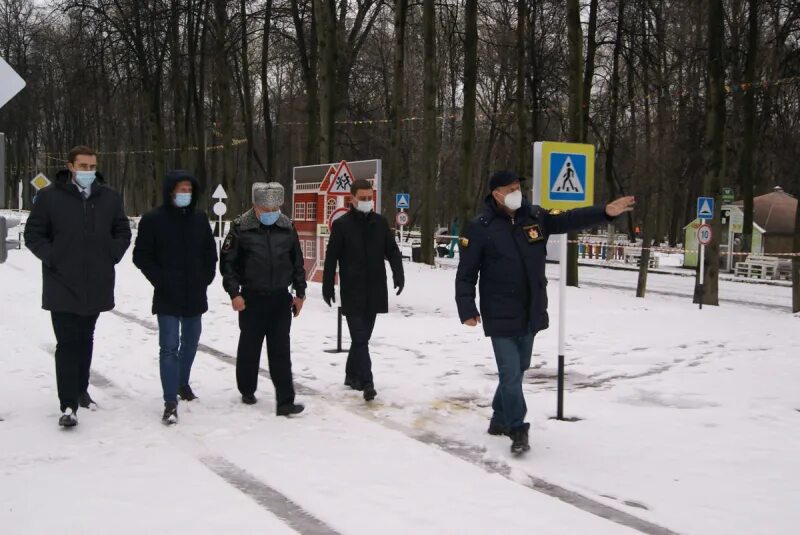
[
  {"x": 360, "y": 241},
  {"x": 506, "y": 246},
  {"x": 261, "y": 258},
  {"x": 78, "y": 229},
  {"x": 175, "y": 250}
]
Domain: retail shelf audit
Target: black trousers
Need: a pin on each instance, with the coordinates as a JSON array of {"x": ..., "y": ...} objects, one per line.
[
  {"x": 267, "y": 316},
  {"x": 359, "y": 363},
  {"x": 74, "y": 345}
]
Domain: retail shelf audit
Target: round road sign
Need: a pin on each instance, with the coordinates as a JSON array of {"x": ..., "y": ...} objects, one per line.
[
  {"x": 704, "y": 234},
  {"x": 402, "y": 219},
  {"x": 339, "y": 212},
  {"x": 220, "y": 208}
]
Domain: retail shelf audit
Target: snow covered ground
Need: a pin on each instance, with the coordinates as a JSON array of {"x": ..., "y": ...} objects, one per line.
[{"x": 690, "y": 421}]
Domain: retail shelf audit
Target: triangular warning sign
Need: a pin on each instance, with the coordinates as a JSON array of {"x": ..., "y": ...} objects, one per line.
[
  {"x": 568, "y": 180},
  {"x": 705, "y": 209},
  {"x": 341, "y": 181}
]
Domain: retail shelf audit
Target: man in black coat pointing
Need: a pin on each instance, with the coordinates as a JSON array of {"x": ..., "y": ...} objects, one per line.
[{"x": 506, "y": 246}]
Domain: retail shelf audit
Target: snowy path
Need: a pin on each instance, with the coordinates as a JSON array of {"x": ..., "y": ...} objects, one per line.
[
  {"x": 689, "y": 422},
  {"x": 348, "y": 472}
]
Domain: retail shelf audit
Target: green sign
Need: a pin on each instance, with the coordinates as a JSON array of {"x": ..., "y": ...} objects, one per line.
[{"x": 728, "y": 195}]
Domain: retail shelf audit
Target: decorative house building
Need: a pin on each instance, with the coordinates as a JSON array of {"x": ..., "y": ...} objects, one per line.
[{"x": 321, "y": 195}]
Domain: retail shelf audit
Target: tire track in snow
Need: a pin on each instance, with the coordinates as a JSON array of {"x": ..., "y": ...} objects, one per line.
[{"x": 466, "y": 452}]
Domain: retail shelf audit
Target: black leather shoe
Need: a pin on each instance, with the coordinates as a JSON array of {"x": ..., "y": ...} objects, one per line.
[
  {"x": 355, "y": 384},
  {"x": 370, "y": 393},
  {"x": 186, "y": 394},
  {"x": 497, "y": 430},
  {"x": 249, "y": 399},
  {"x": 290, "y": 409}
]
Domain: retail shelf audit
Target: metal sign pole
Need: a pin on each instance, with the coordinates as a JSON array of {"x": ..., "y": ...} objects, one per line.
[
  {"x": 702, "y": 273},
  {"x": 562, "y": 315}
]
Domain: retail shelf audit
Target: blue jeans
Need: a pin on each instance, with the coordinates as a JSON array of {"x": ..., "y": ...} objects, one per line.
[
  {"x": 178, "y": 338},
  {"x": 513, "y": 356}
]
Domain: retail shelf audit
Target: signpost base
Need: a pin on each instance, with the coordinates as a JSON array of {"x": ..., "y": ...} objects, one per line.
[{"x": 338, "y": 335}]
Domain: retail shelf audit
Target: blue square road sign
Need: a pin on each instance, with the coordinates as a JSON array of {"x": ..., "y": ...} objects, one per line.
[
  {"x": 403, "y": 201},
  {"x": 705, "y": 207}
]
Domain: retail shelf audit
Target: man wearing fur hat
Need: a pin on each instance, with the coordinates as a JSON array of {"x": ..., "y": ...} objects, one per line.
[{"x": 261, "y": 258}]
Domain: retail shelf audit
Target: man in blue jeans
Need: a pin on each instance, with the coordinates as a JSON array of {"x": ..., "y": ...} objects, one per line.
[
  {"x": 176, "y": 252},
  {"x": 506, "y": 246}
]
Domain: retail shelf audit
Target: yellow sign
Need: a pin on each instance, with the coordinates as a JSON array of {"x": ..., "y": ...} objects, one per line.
[
  {"x": 40, "y": 181},
  {"x": 563, "y": 175}
]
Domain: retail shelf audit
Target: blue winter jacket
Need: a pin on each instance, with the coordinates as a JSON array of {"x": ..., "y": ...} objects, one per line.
[{"x": 508, "y": 255}]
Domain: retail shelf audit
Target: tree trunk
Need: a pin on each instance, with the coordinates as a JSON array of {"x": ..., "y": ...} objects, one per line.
[
  {"x": 588, "y": 74},
  {"x": 611, "y": 146},
  {"x": 648, "y": 179},
  {"x": 397, "y": 177},
  {"x": 222, "y": 77},
  {"x": 327, "y": 46},
  {"x": 266, "y": 112},
  {"x": 466, "y": 184},
  {"x": 308, "y": 65},
  {"x": 521, "y": 103},
  {"x": 576, "y": 102},
  {"x": 746, "y": 167},
  {"x": 714, "y": 146},
  {"x": 429, "y": 126}
]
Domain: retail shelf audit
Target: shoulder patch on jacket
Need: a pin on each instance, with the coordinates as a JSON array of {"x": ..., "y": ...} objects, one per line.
[
  {"x": 228, "y": 243},
  {"x": 464, "y": 242},
  {"x": 556, "y": 211}
]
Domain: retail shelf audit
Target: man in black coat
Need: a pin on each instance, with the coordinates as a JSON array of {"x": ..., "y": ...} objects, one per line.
[
  {"x": 506, "y": 246},
  {"x": 176, "y": 251},
  {"x": 261, "y": 258},
  {"x": 360, "y": 241},
  {"x": 78, "y": 229}
]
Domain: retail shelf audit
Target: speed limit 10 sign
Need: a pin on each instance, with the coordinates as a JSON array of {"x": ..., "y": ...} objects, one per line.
[{"x": 704, "y": 234}]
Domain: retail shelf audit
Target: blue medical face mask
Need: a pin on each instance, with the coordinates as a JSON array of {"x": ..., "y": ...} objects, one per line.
[
  {"x": 85, "y": 178},
  {"x": 182, "y": 200},
  {"x": 269, "y": 218}
]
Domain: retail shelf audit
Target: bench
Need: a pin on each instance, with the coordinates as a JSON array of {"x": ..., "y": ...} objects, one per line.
[
  {"x": 634, "y": 256},
  {"x": 758, "y": 267},
  {"x": 784, "y": 269}
]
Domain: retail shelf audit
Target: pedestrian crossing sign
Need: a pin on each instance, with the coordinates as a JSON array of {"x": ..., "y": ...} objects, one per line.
[{"x": 563, "y": 175}]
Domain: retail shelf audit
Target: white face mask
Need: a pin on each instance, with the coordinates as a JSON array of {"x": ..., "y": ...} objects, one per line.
[
  {"x": 513, "y": 201},
  {"x": 365, "y": 206}
]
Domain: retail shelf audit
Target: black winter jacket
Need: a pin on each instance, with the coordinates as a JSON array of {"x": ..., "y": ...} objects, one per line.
[
  {"x": 360, "y": 244},
  {"x": 261, "y": 259},
  {"x": 176, "y": 251},
  {"x": 509, "y": 255},
  {"x": 79, "y": 241}
]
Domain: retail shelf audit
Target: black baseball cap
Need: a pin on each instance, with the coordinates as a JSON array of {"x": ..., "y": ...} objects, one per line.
[{"x": 504, "y": 178}]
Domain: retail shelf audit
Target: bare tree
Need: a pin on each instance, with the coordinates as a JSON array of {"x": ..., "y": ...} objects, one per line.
[{"x": 430, "y": 149}]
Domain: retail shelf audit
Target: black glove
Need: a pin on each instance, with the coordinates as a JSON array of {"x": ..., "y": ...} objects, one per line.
[
  {"x": 328, "y": 295},
  {"x": 398, "y": 285}
]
